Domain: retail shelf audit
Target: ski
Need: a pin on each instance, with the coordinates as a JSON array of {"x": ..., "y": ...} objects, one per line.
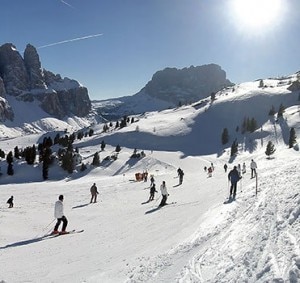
[
  {"x": 71, "y": 232},
  {"x": 51, "y": 235}
]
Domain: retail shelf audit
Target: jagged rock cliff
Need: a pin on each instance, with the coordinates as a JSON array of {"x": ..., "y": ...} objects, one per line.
[
  {"x": 188, "y": 84},
  {"x": 25, "y": 79}
]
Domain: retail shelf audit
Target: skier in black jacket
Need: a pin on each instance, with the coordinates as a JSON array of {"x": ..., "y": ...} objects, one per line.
[
  {"x": 233, "y": 177},
  {"x": 152, "y": 192},
  {"x": 10, "y": 201}
]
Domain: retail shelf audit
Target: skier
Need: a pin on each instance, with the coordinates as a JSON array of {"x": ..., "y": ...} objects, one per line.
[
  {"x": 180, "y": 175},
  {"x": 244, "y": 168},
  {"x": 94, "y": 193},
  {"x": 152, "y": 180},
  {"x": 10, "y": 201},
  {"x": 164, "y": 193},
  {"x": 239, "y": 169},
  {"x": 210, "y": 170},
  {"x": 59, "y": 214},
  {"x": 225, "y": 167},
  {"x": 233, "y": 177},
  {"x": 253, "y": 167},
  {"x": 152, "y": 192}
]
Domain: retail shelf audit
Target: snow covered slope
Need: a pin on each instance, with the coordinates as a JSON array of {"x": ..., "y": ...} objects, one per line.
[{"x": 200, "y": 236}]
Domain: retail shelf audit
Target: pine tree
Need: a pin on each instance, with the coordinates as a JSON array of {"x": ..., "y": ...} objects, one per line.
[
  {"x": 67, "y": 162},
  {"x": 270, "y": 149},
  {"x": 225, "y": 136},
  {"x": 103, "y": 145},
  {"x": 96, "y": 159},
  {"x": 16, "y": 152},
  {"x": 9, "y": 158},
  {"x": 10, "y": 170},
  {"x": 91, "y": 132},
  {"x": 46, "y": 157},
  {"x": 292, "y": 139},
  {"x": 234, "y": 148}
]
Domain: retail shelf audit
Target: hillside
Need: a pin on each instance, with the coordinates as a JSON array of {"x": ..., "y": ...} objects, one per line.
[{"x": 199, "y": 236}]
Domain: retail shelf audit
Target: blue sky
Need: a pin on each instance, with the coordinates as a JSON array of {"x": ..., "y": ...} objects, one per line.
[{"x": 124, "y": 42}]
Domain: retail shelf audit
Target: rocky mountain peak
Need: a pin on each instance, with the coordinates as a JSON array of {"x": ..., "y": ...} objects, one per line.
[
  {"x": 25, "y": 79},
  {"x": 188, "y": 84}
]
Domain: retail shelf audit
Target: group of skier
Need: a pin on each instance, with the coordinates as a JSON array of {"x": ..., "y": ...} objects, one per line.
[
  {"x": 233, "y": 176},
  {"x": 236, "y": 174}
]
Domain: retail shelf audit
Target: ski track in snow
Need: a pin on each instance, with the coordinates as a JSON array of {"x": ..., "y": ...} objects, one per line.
[{"x": 224, "y": 252}]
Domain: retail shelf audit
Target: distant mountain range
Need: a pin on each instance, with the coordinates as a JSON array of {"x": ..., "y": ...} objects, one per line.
[{"x": 168, "y": 88}]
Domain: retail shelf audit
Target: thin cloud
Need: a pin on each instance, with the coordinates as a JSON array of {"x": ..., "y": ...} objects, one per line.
[
  {"x": 64, "y": 2},
  {"x": 70, "y": 40}
]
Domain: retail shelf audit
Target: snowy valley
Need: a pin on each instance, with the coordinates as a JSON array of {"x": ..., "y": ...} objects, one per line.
[{"x": 199, "y": 236}]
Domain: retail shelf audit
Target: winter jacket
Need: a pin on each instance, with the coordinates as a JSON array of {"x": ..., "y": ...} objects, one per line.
[
  {"x": 234, "y": 176},
  {"x": 94, "y": 190},
  {"x": 253, "y": 165},
  {"x": 152, "y": 189},
  {"x": 59, "y": 209},
  {"x": 163, "y": 190}
]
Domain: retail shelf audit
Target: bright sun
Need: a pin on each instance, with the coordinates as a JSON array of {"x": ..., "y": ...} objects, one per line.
[{"x": 256, "y": 14}]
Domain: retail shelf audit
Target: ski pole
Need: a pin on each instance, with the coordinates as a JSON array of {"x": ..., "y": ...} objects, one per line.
[{"x": 47, "y": 227}]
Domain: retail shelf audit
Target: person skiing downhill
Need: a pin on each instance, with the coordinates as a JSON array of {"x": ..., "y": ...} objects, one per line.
[
  {"x": 94, "y": 193},
  {"x": 164, "y": 193},
  {"x": 152, "y": 192},
  {"x": 233, "y": 177},
  {"x": 59, "y": 215}
]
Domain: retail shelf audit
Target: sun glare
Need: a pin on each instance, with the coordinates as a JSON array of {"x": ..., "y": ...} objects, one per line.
[{"x": 256, "y": 14}]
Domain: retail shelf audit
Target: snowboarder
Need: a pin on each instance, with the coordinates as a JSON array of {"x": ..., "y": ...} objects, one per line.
[
  {"x": 152, "y": 192},
  {"x": 233, "y": 177},
  {"x": 59, "y": 215},
  {"x": 225, "y": 167},
  {"x": 164, "y": 193},
  {"x": 94, "y": 193},
  {"x": 10, "y": 202},
  {"x": 180, "y": 175},
  {"x": 253, "y": 167}
]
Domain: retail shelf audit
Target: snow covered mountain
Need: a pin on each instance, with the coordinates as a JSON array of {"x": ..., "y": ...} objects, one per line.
[
  {"x": 200, "y": 236},
  {"x": 168, "y": 88}
]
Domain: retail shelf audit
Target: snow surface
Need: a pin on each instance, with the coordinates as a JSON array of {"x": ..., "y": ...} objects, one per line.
[{"x": 198, "y": 237}]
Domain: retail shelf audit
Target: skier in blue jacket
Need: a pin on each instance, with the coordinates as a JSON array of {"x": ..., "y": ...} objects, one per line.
[{"x": 233, "y": 177}]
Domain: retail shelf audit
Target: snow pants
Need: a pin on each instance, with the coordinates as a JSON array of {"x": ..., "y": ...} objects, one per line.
[
  {"x": 233, "y": 189},
  {"x": 164, "y": 200},
  {"x": 64, "y": 220}
]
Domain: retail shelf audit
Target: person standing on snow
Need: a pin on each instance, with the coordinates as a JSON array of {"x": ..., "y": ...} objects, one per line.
[
  {"x": 164, "y": 193},
  {"x": 233, "y": 177},
  {"x": 180, "y": 175},
  {"x": 225, "y": 167},
  {"x": 10, "y": 202},
  {"x": 253, "y": 167},
  {"x": 244, "y": 168},
  {"x": 59, "y": 214},
  {"x": 94, "y": 193}
]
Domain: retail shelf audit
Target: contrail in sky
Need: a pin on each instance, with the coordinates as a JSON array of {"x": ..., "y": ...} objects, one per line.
[
  {"x": 64, "y": 2},
  {"x": 70, "y": 40}
]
